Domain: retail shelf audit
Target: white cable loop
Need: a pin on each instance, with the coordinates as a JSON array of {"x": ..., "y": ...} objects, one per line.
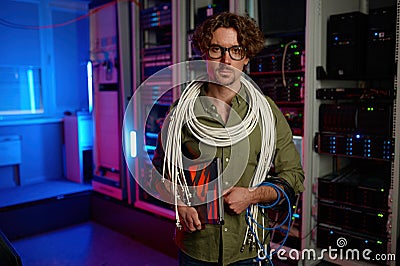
[{"x": 259, "y": 113}]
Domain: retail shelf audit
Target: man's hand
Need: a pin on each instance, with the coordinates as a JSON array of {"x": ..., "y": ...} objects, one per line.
[
  {"x": 237, "y": 199},
  {"x": 189, "y": 218}
]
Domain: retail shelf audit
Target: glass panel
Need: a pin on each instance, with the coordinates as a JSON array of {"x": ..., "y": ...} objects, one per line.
[{"x": 20, "y": 90}]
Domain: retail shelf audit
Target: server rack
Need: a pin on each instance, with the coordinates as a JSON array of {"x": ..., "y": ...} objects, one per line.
[
  {"x": 348, "y": 202},
  {"x": 109, "y": 27}
]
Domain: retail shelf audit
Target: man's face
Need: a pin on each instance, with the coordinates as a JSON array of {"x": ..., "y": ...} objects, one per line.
[{"x": 225, "y": 70}]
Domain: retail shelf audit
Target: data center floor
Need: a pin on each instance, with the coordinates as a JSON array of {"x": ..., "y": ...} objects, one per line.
[{"x": 89, "y": 244}]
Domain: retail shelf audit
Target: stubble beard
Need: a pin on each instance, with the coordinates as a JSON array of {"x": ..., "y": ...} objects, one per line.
[{"x": 225, "y": 76}]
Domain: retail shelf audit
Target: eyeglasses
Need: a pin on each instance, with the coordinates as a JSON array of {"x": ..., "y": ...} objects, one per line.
[{"x": 236, "y": 52}]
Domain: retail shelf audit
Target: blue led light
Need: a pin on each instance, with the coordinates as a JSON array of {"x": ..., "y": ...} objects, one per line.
[
  {"x": 150, "y": 148},
  {"x": 358, "y": 136},
  {"x": 151, "y": 135}
]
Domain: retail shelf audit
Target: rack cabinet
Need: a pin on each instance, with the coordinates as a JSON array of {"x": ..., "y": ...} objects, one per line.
[
  {"x": 321, "y": 159},
  {"x": 110, "y": 50},
  {"x": 350, "y": 146}
]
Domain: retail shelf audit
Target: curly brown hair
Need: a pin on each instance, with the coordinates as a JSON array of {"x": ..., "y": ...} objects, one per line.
[{"x": 248, "y": 33}]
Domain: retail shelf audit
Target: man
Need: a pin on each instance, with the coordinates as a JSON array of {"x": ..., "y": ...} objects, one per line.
[{"x": 227, "y": 42}]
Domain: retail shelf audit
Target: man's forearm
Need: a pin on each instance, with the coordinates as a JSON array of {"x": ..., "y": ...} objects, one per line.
[{"x": 263, "y": 194}]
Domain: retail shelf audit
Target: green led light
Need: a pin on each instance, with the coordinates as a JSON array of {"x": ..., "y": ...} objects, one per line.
[
  {"x": 296, "y": 84},
  {"x": 382, "y": 190},
  {"x": 379, "y": 242},
  {"x": 296, "y": 53},
  {"x": 294, "y": 207},
  {"x": 380, "y": 215}
]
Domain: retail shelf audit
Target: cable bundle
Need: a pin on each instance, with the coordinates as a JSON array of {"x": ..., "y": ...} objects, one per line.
[
  {"x": 259, "y": 113},
  {"x": 252, "y": 237}
]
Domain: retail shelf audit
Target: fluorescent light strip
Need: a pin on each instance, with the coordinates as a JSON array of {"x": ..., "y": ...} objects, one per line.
[
  {"x": 133, "y": 144},
  {"x": 89, "y": 70},
  {"x": 31, "y": 87}
]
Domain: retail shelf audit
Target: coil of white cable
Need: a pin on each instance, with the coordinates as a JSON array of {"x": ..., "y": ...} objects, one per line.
[{"x": 183, "y": 114}]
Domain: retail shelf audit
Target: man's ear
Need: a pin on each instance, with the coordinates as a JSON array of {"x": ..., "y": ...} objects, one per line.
[{"x": 246, "y": 64}]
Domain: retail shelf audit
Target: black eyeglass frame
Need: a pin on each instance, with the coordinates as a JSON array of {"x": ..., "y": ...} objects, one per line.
[{"x": 224, "y": 49}]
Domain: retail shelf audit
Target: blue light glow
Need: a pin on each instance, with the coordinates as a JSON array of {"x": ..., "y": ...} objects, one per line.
[
  {"x": 89, "y": 71},
  {"x": 133, "y": 144},
  {"x": 150, "y": 148},
  {"x": 151, "y": 135},
  {"x": 31, "y": 87}
]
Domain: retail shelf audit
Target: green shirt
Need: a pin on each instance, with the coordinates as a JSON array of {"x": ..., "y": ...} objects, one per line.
[{"x": 240, "y": 158}]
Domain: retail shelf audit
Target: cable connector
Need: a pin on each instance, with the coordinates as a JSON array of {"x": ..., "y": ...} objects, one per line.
[{"x": 178, "y": 225}]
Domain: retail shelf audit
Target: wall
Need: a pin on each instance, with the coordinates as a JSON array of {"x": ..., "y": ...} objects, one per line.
[
  {"x": 71, "y": 53},
  {"x": 55, "y": 36},
  {"x": 41, "y": 152}
]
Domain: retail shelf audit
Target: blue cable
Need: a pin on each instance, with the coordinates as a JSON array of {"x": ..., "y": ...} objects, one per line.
[{"x": 278, "y": 227}]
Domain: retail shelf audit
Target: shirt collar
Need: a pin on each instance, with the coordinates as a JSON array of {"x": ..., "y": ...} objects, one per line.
[{"x": 239, "y": 99}]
